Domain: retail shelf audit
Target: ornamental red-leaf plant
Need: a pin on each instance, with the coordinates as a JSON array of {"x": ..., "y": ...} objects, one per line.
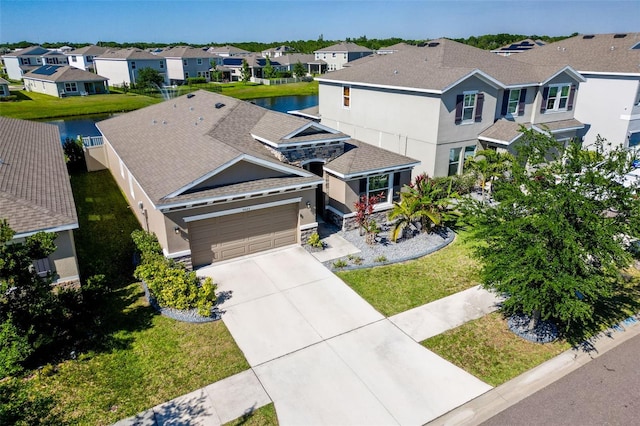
[{"x": 364, "y": 210}]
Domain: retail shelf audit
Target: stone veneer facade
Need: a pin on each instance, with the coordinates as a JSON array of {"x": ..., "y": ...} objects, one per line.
[
  {"x": 298, "y": 155},
  {"x": 349, "y": 223}
]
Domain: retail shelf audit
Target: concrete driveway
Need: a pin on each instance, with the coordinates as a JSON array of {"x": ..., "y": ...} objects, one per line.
[{"x": 323, "y": 354}]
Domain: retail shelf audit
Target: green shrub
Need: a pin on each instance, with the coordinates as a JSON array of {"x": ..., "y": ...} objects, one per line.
[
  {"x": 340, "y": 263},
  {"x": 380, "y": 259},
  {"x": 314, "y": 240},
  {"x": 14, "y": 348},
  {"x": 9, "y": 98},
  {"x": 48, "y": 370},
  {"x": 168, "y": 281},
  {"x": 196, "y": 80}
]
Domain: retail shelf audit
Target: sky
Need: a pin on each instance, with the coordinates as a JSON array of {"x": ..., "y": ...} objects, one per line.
[{"x": 219, "y": 21}]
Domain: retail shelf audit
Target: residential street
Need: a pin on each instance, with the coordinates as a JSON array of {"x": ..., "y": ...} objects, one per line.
[{"x": 604, "y": 391}]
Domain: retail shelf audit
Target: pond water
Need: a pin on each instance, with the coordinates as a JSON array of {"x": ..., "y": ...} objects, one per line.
[
  {"x": 287, "y": 103},
  {"x": 85, "y": 125}
]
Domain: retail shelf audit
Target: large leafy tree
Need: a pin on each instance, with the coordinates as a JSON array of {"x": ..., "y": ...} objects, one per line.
[
  {"x": 148, "y": 78},
  {"x": 29, "y": 312},
  {"x": 245, "y": 72},
  {"x": 299, "y": 70},
  {"x": 555, "y": 243}
]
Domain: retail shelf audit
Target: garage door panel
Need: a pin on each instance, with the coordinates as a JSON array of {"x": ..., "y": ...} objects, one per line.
[{"x": 230, "y": 236}]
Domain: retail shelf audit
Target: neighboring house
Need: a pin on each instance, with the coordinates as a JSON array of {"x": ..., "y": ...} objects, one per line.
[
  {"x": 609, "y": 100},
  {"x": 338, "y": 55},
  {"x": 439, "y": 102},
  {"x": 54, "y": 57},
  {"x": 256, "y": 65},
  {"x": 184, "y": 62},
  {"x": 288, "y": 62},
  {"x": 35, "y": 193},
  {"x": 62, "y": 81},
  {"x": 228, "y": 51},
  {"x": 23, "y": 60},
  {"x": 121, "y": 66},
  {"x": 518, "y": 47},
  {"x": 4, "y": 87},
  {"x": 277, "y": 52},
  {"x": 216, "y": 178},
  {"x": 83, "y": 57}
]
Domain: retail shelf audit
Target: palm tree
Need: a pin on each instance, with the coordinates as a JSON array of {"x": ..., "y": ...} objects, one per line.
[
  {"x": 489, "y": 165},
  {"x": 405, "y": 213}
]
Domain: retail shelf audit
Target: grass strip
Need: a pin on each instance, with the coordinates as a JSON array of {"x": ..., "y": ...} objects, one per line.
[
  {"x": 397, "y": 288},
  {"x": 487, "y": 349}
]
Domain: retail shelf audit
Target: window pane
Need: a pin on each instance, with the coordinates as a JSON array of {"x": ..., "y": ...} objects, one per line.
[
  {"x": 454, "y": 154},
  {"x": 565, "y": 90},
  {"x": 469, "y": 100},
  {"x": 514, "y": 95},
  {"x": 378, "y": 182},
  {"x": 345, "y": 91},
  {"x": 553, "y": 92}
]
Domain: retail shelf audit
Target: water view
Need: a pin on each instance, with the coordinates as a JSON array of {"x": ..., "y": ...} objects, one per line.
[{"x": 85, "y": 125}]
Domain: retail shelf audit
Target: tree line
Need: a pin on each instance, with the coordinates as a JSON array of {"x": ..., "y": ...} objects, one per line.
[{"x": 487, "y": 42}]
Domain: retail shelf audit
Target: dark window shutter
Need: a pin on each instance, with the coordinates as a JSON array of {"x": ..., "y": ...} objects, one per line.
[
  {"x": 505, "y": 102},
  {"x": 479, "y": 103},
  {"x": 363, "y": 186},
  {"x": 545, "y": 95},
  {"x": 521, "y": 102},
  {"x": 572, "y": 95},
  {"x": 459, "y": 100}
]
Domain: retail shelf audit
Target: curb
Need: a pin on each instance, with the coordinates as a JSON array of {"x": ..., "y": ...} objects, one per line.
[{"x": 515, "y": 390}]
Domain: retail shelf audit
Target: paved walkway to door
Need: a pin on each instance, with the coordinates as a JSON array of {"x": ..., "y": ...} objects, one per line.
[{"x": 320, "y": 352}]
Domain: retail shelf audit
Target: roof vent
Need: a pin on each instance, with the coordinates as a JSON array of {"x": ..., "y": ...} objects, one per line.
[
  {"x": 219, "y": 105},
  {"x": 190, "y": 95},
  {"x": 619, "y": 35},
  {"x": 433, "y": 44},
  {"x": 588, "y": 36}
]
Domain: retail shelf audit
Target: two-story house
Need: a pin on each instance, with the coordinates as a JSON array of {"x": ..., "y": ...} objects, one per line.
[
  {"x": 184, "y": 62},
  {"x": 23, "y": 60},
  {"x": 609, "y": 100},
  {"x": 83, "y": 57},
  {"x": 122, "y": 66},
  {"x": 338, "y": 55},
  {"x": 439, "y": 102},
  {"x": 228, "y": 51}
]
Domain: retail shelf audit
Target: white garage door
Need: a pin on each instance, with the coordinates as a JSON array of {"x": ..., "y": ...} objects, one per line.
[{"x": 225, "y": 237}]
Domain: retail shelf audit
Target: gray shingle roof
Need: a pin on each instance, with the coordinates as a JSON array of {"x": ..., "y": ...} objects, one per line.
[
  {"x": 232, "y": 50},
  {"x": 35, "y": 193},
  {"x": 31, "y": 50},
  {"x": 506, "y": 132},
  {"x": 170, "y": 145},
  {"x": 186, "y": 52},
  {"x": 604, "y": 53},
  {"x": 60, "y": 74},
  {"x": 91, "y": 50},
  {"x": 360, "y": 158},
  {"x": 437, "y": 67},
  {"x": 131, "y": 53},
  {"x": 344, "y": 47}
]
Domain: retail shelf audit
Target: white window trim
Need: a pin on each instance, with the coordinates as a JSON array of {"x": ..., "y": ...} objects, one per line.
[
  {"x": 517, "y": 101},
  {"x": 199, "y": 61},
  {"x": 556, "y": 107},
  {"x": 347, "y": 97},
  {"x": 388, "y": 191},
  {"x": 133, "y": 194},
  {"x": 473, "y": 111}
]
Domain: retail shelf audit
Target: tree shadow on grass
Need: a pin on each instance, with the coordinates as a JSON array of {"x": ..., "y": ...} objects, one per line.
[
  {"x": 608, "y": 313},
  {"x": 21, "y": 96}
]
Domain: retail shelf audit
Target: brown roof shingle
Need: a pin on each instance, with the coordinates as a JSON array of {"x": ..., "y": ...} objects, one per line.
[{"x": 35, "y": 192}]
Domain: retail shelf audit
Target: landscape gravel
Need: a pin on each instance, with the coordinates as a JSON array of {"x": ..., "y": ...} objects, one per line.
[{"x": 405, "y": 249}]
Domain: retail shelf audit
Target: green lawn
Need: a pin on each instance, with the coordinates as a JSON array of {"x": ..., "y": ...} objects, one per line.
[
  {"x": 397, "y": 288},
  {"x": 263, "y": 416},
  {"x": 142, "y": 358},
  {"x": 487, "y": 349},
  {"x": 32, "y": 105}
]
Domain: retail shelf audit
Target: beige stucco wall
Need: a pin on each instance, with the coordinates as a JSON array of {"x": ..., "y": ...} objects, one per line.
[
  {"x": 95, "y": 158},
  {"x": 64, "y": 259}
]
